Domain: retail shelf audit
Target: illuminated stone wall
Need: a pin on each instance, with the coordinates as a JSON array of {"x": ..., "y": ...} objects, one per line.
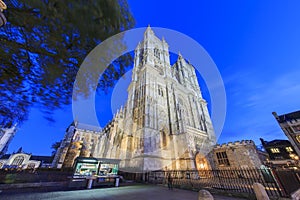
[
  {"x": 240, "y": 154},
  {"x": 165, "y": 121}
]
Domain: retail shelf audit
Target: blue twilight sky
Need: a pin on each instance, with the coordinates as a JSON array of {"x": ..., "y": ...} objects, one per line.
[{"x": 255, "y": 44}]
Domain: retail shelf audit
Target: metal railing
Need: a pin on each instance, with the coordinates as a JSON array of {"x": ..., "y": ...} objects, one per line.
[{"x": 231, "y": 181}]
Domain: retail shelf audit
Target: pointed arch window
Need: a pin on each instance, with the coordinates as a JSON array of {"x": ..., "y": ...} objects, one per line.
[
  {"x": 18, "y": 160},
  {"x": 160, "y": 91},
  {"x": 157, "y": 53},
  {"x": 141, "y": 55}
]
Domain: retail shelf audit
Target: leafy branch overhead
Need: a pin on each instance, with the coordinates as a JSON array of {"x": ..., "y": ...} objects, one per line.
[{"x": 43, "y": 45}]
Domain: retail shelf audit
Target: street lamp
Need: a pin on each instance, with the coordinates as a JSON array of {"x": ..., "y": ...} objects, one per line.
[{"x": 2, "y": 17}]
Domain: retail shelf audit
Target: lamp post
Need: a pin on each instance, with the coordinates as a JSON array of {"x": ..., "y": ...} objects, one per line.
[{"x": 2, "y": 17}]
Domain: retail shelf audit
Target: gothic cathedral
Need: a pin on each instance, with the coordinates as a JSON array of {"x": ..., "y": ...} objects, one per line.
[{"x": 165, "y": 123}]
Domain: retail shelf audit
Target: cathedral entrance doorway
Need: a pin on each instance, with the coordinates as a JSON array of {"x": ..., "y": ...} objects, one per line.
[{"x": 201, "y": 162}]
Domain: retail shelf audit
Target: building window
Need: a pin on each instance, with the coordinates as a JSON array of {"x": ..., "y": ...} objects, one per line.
[
  {"x": 296, "y": 128},
  {"x": 156, "y": 53},
  {"x": 298, "y": 138},
  {"x": 18, "y": 160},
  {"x": 275, "y": 150},
  {"x": 141, "y": 56},
  {"x": 289, "y": 149},
  {"x": 160, "y": 91},
  {"x": 222, "y": 158}
]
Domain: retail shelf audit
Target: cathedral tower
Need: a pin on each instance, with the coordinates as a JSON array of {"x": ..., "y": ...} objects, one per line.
[
  {"x": 165, "y": 122},
  {"x": 165, "y": 119}
]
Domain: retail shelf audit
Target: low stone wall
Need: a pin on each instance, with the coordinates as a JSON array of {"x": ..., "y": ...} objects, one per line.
[
  {"x": 25, "y": 176},
  {"x": 33, "y": 185}
]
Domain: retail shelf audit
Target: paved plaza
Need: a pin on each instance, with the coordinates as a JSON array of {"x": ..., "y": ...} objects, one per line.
[{"x": 136, "y": 192}]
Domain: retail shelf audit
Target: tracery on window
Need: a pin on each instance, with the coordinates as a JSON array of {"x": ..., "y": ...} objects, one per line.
[
  {"x": 18, "y": 160},
  {"x": 141, "y": 56},
  {"x": 157, "y": 53}
]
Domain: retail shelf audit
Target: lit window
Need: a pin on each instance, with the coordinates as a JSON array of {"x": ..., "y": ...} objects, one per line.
[
  {"x": 275, "y": 150},
  {"x": 298, "y": 138},
  {"x": 289, "y": 149}
]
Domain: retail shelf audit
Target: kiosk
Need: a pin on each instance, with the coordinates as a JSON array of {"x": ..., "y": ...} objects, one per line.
[{"x": 91, "y": 172}]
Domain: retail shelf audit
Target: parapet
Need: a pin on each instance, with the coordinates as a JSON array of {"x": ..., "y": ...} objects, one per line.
[{"x": 236, "y": 143}]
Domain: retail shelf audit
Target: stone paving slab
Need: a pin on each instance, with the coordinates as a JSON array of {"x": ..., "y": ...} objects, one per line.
[{"x": 136, "y": 192}]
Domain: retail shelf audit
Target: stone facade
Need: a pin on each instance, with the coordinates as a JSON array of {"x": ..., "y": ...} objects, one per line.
[
  {"x": 79, "y": 140},
  {"x": 240, "y": 154},
  {"x": 165, "y": 122}
]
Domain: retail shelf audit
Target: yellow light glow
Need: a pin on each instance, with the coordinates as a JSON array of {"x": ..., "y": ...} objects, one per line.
[{"x": 2, "y": 5}]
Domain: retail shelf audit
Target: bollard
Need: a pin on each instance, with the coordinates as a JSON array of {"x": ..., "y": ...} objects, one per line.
[
  {"x": 90, "y": 183},
  {"x": 260, "y": 192},
  {"x": 117, "y": 182},
  {"x": 205, "y": 195}
]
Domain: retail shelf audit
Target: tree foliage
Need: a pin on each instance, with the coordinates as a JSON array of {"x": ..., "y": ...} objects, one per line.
[
  {"x": 43, "y": 45},
  {"x": 55, "y": 146}
]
